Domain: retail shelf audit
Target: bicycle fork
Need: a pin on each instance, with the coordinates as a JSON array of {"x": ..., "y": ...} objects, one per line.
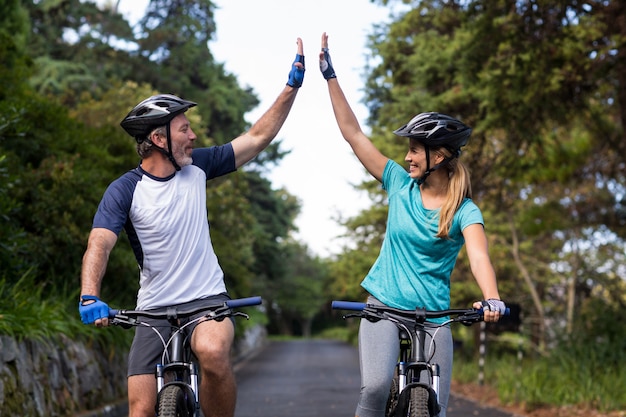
[
  {"x": 413, "y": 364},
  {"x": 177, "y": 365},
  {"x": 191, "y": 368}
]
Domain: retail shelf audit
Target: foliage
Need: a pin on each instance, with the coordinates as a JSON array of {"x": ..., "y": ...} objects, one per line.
[
  {"x": 301, "y": 294},
  {"x": 365, "y": 233},
  {"x": 572, "y": 374},
  {"x": 174, "y": 40},
  {"x": 73, "y": 71},
  {"x": 24, "y": 307},
  {"x": 13, "y": 241},
  {"x": 343, "y": 334},
  {"x": 547, "y": 151}
]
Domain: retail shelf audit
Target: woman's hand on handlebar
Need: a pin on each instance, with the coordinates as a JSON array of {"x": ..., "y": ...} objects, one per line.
[{"x": 492, "y": 308}]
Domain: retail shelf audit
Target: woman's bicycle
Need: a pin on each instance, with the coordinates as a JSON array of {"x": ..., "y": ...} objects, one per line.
[
  {"x": 177, "y": 374},
  {"x": 414, "y": 390}
]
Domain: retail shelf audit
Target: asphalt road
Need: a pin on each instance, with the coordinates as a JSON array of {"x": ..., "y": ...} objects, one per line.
[{"x": 313, "y": 378}]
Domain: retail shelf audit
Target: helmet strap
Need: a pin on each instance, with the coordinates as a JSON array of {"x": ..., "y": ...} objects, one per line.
[
  {"x": 169, "y": 154},
  {"x": 443, "y": 163},
  {"x": 421, "y": 180},
  {"x": 166, "y": 152}
]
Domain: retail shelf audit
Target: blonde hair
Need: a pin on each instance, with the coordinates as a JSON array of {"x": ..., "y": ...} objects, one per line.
[{"x": 459, "y": 188}]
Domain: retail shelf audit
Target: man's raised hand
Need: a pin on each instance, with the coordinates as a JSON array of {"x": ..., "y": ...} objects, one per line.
[{"x": 296, "y": 75}]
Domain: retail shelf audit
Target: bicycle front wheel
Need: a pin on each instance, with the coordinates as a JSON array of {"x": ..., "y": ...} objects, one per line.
[
  {"x": 392, "y": 401},
  {"x": 418, "y": 402},
  {"x": 173, "y": 402}
]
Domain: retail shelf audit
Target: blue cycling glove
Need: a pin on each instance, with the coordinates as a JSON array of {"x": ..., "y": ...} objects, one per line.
[
  {"x": 92, "y": 311},
  {"x": 326, "y": 66},
  {"x": 296, "y": 75}
]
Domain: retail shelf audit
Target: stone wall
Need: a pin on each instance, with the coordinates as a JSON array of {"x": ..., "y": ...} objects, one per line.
[
  {"x": 58, "y": 379},
  {"x": 68, "y": 378}
]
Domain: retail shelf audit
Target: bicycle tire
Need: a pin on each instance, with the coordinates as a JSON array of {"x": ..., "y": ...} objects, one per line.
[
  {"x": 418, "y": 402},
  {"x": 392, "y": 401},
  {"x": 173, "y": 402}
]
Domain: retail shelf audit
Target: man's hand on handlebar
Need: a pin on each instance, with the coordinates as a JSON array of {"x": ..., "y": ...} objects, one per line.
[{"x": 93, "y": 310}]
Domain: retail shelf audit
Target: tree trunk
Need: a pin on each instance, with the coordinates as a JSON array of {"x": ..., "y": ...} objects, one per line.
[{"x": 531, "y": 288}]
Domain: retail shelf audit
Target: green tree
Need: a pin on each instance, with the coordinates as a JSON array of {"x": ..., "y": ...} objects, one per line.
[
  {"x": 174, "y": 38},
  {"x": 542, "y": 85},
  {"x": 84, "y": 68},
  {"x": 73, "y": 44},
  {"x": 299, "y": 294}
]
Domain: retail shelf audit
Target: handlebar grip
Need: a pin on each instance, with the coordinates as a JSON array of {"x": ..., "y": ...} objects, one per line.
[
  {"x": 348, "y": 305},
  {"x": 244, "y": 302},
  {"x": 113, "y": 312}
]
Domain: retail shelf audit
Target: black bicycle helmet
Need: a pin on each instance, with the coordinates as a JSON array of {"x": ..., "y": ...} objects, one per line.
[
  {"x": 153, "y": 112},
  {"x": 435, "y": 129}
]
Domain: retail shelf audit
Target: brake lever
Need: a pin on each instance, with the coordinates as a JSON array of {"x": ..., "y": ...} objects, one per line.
[
  {"x": 240, "y": 314},
  {"x": 470, "y": 318},
  {"x": 124, "y": 322}
]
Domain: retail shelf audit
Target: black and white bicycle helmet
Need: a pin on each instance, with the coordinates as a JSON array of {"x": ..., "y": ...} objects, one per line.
[
  {"x": 153, "y": 112},
  {"x": 435, "y": 130}
]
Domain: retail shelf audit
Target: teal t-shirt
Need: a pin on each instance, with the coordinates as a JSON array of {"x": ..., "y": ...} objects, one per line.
[{"x": 413, "y": 268}]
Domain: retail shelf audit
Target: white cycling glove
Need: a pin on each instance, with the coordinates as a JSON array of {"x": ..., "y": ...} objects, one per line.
[{"x": 494, "y": 305}]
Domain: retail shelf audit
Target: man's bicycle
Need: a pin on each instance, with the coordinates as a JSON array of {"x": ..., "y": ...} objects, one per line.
[
  {"x": 414, "y": 390},
  {"x": 177, "y": 374}
]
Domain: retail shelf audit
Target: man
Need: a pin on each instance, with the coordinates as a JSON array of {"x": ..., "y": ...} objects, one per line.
[{"x": 162, "y": 206}]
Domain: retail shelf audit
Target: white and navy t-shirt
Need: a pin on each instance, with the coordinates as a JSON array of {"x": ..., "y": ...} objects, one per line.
[{"x": 166, "y": 222}]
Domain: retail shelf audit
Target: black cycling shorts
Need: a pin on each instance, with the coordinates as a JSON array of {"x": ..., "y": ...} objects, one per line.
[{"x": 147, "y": 349}]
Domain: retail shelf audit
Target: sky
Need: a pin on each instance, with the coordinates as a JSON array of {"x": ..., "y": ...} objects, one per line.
[{"x": 256, "y": 42}]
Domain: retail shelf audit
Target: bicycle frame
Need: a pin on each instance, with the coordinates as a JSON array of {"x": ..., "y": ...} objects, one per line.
[{"x": 177, "y": 368}]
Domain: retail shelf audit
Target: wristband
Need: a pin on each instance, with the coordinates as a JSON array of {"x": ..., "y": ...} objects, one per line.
[{"x": 326, "y": 66}]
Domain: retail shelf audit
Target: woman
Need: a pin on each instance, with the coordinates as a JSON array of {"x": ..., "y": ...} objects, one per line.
[{"x": 430, "y": 217}]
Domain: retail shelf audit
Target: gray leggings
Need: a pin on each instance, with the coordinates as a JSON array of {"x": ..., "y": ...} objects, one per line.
[{"x": 378, "y": 352}]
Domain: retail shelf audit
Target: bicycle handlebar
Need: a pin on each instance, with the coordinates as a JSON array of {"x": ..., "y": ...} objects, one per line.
[
  {"x": 244, "y": 302},
  {"x": 357, "y": 306},
  {"x": 348, "y": 305},
  {"x": 228, "y": 304}
]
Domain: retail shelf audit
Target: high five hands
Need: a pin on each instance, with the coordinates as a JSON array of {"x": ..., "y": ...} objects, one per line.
[{"x": 296, "y": 75}]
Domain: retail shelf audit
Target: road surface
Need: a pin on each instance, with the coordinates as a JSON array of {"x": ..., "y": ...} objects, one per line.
[{"x": 313, "y": 378}]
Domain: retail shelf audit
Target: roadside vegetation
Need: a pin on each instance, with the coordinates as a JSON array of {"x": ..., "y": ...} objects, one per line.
[{"x": 584, "y": 370}]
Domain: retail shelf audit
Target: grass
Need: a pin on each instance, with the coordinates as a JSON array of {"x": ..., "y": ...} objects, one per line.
[
  {"x": 342, "y": 333},
  {"x": 560, "y": 379},
  {"x": 27, "y": 311}
]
